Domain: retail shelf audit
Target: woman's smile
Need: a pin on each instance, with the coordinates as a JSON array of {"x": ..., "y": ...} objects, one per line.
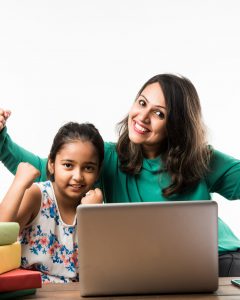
[
  {"x": 147, "y": 120},
  {"x": 139, "y": 128}
]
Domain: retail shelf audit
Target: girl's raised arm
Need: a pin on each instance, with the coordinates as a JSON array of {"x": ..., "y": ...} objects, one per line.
[{"x": 22, "y": 201}]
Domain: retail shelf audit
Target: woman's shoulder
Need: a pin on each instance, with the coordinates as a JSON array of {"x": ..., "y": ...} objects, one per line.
[
  {"x": 110, "y": 155},
  {"x": 109, "y": 147},
  {"x": 219, "y": 158},
  {"x": 223, "y": 174}
]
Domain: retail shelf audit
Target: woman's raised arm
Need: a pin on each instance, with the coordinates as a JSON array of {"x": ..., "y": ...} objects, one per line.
[{"x": 12, "y": 154}]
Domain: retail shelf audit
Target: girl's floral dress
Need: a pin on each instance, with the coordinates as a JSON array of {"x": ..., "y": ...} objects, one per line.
[{"x": 48, "y": 244}]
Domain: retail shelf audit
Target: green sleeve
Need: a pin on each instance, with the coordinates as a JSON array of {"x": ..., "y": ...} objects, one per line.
[
  {"x": 224, "y": 175},
  {"x": 12, "y": 154},
  {"x": 227, "y": 241}
]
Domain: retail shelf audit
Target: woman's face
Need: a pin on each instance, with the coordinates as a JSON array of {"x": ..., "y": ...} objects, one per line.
[{"x": 147, "y": 120}]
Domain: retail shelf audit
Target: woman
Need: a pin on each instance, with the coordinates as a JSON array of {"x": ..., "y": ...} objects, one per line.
[{"x": 161, "y": 155}]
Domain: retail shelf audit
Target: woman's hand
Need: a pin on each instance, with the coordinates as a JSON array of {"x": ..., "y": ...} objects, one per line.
[
  {"x": 4, "y": 115},
  {"x": 26, "y": 174},
  {"x": 93, "y": 197}
]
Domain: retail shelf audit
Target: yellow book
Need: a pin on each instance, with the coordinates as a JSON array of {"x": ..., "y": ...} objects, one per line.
[{"x": 10, "y": 257}]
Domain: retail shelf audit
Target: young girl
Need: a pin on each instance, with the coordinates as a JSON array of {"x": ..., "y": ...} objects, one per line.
[{"x": 46, "y": 211}]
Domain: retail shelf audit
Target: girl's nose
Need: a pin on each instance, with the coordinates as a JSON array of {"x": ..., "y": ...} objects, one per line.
[{"x": 77, "y": 175}]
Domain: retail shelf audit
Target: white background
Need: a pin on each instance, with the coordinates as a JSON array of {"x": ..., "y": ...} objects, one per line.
[{"x": 86, "y": 60}]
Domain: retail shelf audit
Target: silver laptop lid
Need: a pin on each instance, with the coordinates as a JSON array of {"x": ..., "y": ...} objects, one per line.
[{"x": 148, "y": 248}]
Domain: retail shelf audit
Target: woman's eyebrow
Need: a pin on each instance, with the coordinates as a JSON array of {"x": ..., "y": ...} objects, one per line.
[{"x": 141, "y": 95}]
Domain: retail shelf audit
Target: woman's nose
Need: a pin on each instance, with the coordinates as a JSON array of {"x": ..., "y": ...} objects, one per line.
[{"x": 144, "y": 116}]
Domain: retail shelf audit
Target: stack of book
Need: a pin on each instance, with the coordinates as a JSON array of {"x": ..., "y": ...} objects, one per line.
[{"x": 14, "y": 281}]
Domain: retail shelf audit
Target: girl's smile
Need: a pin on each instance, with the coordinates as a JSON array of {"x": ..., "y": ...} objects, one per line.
[
  {"x": 75, "y": 170},
  {"x": 77, "y": 187}
]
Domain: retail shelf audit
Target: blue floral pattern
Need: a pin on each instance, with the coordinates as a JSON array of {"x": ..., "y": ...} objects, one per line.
[{"x": 48, "y": 244}]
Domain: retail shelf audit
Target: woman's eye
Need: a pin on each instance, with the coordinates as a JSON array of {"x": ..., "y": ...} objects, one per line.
[
  {"x": 141, "y": 102},
  {"x": 160, "y": 114}
]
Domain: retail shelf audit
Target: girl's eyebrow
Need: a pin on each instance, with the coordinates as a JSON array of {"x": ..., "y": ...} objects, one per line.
[
  {"x": 91, "y": 163},
  {"x": 141, "y": 95},
  {"x": 86, "y": 162},
  {"x": 67, "y": 160}
]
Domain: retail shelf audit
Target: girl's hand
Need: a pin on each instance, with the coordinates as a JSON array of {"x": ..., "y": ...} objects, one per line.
[
  {"x": 4, "y": 115},
  {"x": 26, "y": 174},
  {"x": 92, "y": 197}
]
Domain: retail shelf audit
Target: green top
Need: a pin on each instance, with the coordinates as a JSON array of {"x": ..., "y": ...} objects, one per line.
[{"x": 223, "y": 178}]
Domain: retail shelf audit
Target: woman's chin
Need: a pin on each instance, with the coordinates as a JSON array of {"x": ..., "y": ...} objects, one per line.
[{"x": 136, "y": 139}]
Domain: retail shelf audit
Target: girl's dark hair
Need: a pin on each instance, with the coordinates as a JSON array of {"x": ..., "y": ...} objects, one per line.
[
  {"x": 184, "y": 152},
  {"x": 74, "y": 131}
]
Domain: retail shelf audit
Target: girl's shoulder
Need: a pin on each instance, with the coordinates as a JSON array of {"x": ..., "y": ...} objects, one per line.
[
  {"x": 34, "y": 193},
  {"x": 44, "y": 185},
  {"x": 42, "y": 190},
  {"x": 41, "y": 195},
  {"x": 33, "y": 196}
]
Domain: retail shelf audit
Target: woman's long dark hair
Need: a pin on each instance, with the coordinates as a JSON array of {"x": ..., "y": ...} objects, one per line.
[{"x": 184, "y": 152}]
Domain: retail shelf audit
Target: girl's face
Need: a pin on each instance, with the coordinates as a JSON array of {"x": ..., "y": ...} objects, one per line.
[
  {"x": 75, "y": 170},
  {"x": 147, "y": 120}
]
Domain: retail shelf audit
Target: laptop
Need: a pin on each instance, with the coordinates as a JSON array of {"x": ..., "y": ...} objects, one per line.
[{"x": 148, "y": 248}]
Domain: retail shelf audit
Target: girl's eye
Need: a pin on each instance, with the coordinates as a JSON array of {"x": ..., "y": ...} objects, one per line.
[
  {"x": 68, "y": 166},
  {"x": 89, "y": 169},
  {"x": 160, "y": 114}
]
